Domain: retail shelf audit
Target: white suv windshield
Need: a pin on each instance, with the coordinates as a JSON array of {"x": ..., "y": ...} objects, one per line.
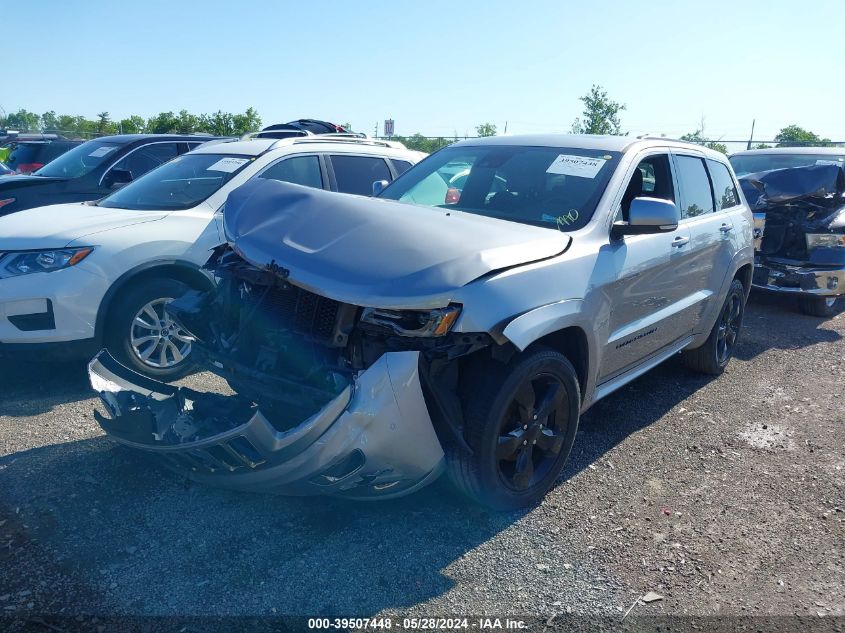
[
  {"x": 555, "y": 187},
  {"x": 182, "y": 183}
]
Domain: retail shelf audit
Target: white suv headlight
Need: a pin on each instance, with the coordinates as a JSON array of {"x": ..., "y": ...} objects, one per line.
[
  {"x": 19, "y": 263},
  {"x": 825, "y": 240}
]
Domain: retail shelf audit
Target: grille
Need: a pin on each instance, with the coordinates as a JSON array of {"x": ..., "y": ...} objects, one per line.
[
  {"x": 225, "y": 456},
  {"x": 302, "y": 311}
]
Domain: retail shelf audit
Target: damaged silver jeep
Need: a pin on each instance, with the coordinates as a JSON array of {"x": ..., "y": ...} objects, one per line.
[{"x": 461, "y": 321}]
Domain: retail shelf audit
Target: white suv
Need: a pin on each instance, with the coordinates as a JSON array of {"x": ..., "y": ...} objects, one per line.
[{"x": 78, "y": 277}]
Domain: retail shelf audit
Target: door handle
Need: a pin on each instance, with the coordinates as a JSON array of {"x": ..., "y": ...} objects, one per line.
[
  {"x": 680, "y": 241},
  {"x": 726, "y": 228}
]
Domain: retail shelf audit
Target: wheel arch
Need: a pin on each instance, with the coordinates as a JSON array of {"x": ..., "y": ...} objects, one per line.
[
  {"x": 745, "y": 274},
  {"x": 181, "y": 270},
  {"x": 571, "y": 342}
]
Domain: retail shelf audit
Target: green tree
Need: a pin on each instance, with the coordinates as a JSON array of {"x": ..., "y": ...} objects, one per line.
[
  {"x": 103, "y": 123},
  {"x": 49, "y": 121},
  {"x": 698, "y": 137},
  {"x": 163, "y": 123},
  {"x": 761, "y": 146},
  {"x": 486, "y": 129},
  {"x": 133, "y": 125},
  {"x": 601, "y": 114},
  {"x": 249, "y": 121},
  {"x": 795, "y": 136},
  {"x": 188, "y": 123},
  {"x": 24, "y": 121}
]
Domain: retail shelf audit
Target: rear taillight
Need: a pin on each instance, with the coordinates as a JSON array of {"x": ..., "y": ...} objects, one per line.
[
  {"x": 3, "y": 203},
  {"x": 28, "y": 168}
]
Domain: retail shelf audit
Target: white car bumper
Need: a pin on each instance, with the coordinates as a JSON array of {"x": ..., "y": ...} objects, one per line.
[{"x": 50, "y": 307}]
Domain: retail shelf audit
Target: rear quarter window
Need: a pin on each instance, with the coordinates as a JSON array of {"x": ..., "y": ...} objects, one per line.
[{"x": 724, "y": 187}]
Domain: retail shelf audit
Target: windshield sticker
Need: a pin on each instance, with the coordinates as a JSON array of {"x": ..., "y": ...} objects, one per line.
[
  {"x": 822, "y": 161},
  {"x": 102, "y": 151},
  {"x": 227, "y": 164},
  {"x": 571, "y": 165}
]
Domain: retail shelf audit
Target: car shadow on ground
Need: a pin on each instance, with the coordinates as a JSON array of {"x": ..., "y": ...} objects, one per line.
[{"x": 32, "y": 388}]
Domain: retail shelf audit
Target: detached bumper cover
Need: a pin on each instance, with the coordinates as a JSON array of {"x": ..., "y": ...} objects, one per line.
[
  {"x": 780, "y": 277},
  {"x": 375, "y": 439}
]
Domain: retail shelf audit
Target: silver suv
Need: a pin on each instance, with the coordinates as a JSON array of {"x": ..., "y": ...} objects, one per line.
[{"x": 460, "y": 322}]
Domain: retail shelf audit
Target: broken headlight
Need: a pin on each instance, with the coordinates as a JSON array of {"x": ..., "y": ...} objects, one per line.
[
  {"x": 25, "y": 262},
  {"x": 413, "y": 322},
  {"x": 825, "y": 240}
]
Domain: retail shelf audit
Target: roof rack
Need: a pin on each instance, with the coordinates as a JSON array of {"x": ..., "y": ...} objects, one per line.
[{"x": 344, "y": 138}]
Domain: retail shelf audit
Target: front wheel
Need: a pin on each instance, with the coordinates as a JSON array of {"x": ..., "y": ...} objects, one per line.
[
  {"x": 520, "y": 421},
  {"x": 713, "y": 356},
  {"x": 818, "y": 306},
  {"x": 142, "y": 336}
]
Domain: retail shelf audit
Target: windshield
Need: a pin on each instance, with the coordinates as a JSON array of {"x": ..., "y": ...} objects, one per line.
[
  {"x": 550, "y": 187},
  {"x": 182, "y": 183},
  {"x": 752, "y": 163},
  {"x": 79, "y": 161}
]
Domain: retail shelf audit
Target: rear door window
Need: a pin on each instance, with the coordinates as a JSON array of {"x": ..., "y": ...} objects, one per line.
[
  {"x": 356, "y": 174},
  {"x": 695, "y": 192},
  {"x": 300, "y": 170},
  {"x": 724, "y": 188}
]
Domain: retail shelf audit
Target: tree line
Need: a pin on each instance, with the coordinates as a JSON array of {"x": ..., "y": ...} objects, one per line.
[
  {"x": 601, "y": 115},
  {"x": 217, "y": 123}
]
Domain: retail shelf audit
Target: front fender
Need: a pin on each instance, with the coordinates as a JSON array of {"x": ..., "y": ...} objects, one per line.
[{"x": 537, "y": 323}]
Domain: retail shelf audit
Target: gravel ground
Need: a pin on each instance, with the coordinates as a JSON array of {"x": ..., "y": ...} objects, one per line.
[{"x": 725, "y": 497}]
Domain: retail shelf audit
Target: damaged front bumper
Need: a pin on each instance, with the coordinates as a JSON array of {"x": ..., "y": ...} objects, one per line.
[
  {"x": 374, "y": 439},
  {"x": 796, "y": 279}
]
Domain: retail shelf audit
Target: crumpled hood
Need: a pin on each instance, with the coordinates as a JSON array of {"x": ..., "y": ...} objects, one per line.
[
  {"x": 57, "y": 225},
  {"x": 372, "y": 252}
]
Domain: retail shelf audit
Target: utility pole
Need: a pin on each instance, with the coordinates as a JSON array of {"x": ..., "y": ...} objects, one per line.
[
  {"x": 751, "y": 138},
  {"x": 375, "y": 131},
  {"x": 506, "y": 128}
]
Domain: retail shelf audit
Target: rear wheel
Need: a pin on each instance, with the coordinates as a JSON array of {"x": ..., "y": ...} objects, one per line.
[
  {"x": 819, "y": 306},
  {"x": 142, "y": 336},
  {"x": 520, "y": 421},
  {"x": 713, "y": 356}
]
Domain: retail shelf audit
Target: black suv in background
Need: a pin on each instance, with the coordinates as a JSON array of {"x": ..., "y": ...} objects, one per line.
[
  {"x": 28, "y": 155},
  {"x": 93, "y": 169}
]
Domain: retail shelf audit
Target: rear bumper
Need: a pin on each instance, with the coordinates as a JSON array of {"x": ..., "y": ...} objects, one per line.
[
  {"x": 375, "y": 439},
  {"x": 778, "y": 277}
]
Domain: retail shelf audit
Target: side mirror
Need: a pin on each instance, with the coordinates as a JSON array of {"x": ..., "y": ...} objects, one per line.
[
  {"x": 117, "y": 177},
  {"x": 648, "y": 215},
  {"x": 379, "y": 185}
]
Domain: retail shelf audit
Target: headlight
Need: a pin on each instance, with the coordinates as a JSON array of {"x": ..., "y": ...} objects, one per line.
[
  {"x": 413, "y": 322},
  {"x": 825, "y": 240},
  {"x": 26, "y": 262}
]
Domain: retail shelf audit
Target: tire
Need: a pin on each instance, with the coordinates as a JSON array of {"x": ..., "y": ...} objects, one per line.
[
  {"x": 497, "y": 473},
  {"x": 818, "y": 306},
  {"x": 121, "y": 325},
  {"x": 712, "y": 357}
]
